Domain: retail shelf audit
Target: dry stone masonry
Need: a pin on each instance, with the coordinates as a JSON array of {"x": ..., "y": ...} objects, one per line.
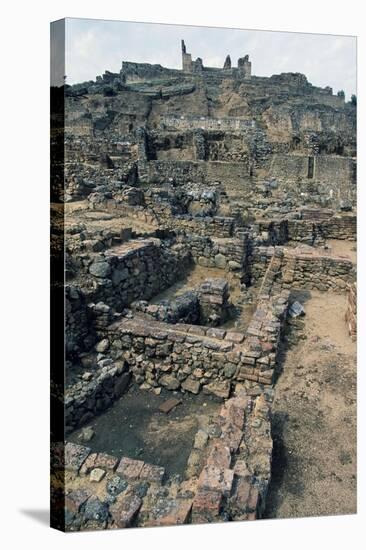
[{"x": 197, "y": 202}]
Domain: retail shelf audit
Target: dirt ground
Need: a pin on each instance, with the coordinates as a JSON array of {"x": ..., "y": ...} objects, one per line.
[
  {"x": 314, "y": 415},
  {"x": 343, "y": 248}
]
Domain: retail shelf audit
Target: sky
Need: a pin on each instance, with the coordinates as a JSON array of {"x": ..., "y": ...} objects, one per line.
[{"x": 93, "y": 46}]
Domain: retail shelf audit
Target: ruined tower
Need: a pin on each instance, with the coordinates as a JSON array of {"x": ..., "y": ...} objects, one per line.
[
  {"x": 244, "y": 67},
  {"x": 186, "y": 59}
]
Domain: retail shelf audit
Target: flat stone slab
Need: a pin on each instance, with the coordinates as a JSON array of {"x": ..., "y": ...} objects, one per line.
[
  {"x": 130, "y": 468},
  {"x": 169, "y": 405},
  {"x": 152, "y": 473},
  {"x": 75, "y": 499},
  {"x": 169, "y": 512},
  {"x": 75, "y": 455},
  {"x": 99, "y": 460}
]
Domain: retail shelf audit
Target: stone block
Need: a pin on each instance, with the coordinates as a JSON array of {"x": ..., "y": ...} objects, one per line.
[
  {"x": 220, "y": 389},
  {"x": 75, "y": 455},
  {"x": 97, "y": 474},
  {"x": 130, "y": 468},
  {"x": 235, "y": 337},
  {"x": 152, "y": 473},
  {"x": 169, "y": 382},
  {"x": 75, "y": 499},
  {"x": 206, "y": 506},
  {"x": 191, "y": 385},
  {"x": 169, "y": 405},
  {"x": 213, "y": 478},
  {"x": 169, "y": 512},
  {"x": 124, "y": 510},
  {"x": 200, "y": 439}
]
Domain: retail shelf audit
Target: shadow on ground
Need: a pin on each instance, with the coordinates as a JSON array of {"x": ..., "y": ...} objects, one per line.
[{"x": 39, "y": 515}]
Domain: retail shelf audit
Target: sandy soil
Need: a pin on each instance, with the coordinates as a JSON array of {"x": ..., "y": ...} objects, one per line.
[
  {"x": 95, "y": 220},
  {"x": 314, "y": 415},
  {"x": 343, "y": 248}
]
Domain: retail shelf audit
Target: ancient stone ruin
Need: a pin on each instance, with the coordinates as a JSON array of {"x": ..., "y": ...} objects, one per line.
[{"x": 199, "y": 203}]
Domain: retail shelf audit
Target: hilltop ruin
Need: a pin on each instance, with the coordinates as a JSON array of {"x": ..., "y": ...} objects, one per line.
[{"x": 204, "y": 208}]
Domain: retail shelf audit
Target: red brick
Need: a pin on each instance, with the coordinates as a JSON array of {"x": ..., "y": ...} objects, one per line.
[
  {"x": 206, "y": 506},
  {"x": 171, "y": 512},
  {"x": 216, "y": 479},
  {"x": 219, "y": 455}
]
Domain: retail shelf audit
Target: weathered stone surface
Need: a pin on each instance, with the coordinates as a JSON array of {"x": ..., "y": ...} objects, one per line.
[
  {"x": 75, "y": 456},
  {"x": 96, "y": 510},
  {"x": 152, "y": 473},
  {"x": 219, "y": 455},
  {"x": 220, "y": 261},
  {"x": 191, "y": 385},
  {"x": 220, "y": 389},
  {"x": 75, "y": 499},
  {"x": 200, "y": 439},
  {"x": 169, "y": 512},
  {"x": 214, "y": 478},
  {"x": 87, "y": 434},
  {"x": 102, "y": 346},
  {"x": 116, "y": 485},
  {"x": 206, "y": 506},
  {"x": 97, "y": 475},
  {"x": 124, "y": 510},
  {"x": 169, "y": 405},
  {"x": 130, "y": 468},
  {"x": 100, "y": 269},
  {"x": 169, "y": 382}
]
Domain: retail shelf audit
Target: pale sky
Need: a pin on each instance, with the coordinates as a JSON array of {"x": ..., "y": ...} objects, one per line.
[{"x": 93, "y": 46}]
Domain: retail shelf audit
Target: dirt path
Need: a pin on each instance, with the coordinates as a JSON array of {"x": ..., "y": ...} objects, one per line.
[{"x": 314, "y": 416}]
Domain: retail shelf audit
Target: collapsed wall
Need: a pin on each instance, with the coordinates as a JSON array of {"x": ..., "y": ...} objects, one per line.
[
  {"x": 211, "y": 168},
  {"x": 226, "y": 479}
]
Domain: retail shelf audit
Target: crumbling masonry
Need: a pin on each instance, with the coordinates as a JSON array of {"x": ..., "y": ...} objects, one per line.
[{"x": 168, "y": 172}]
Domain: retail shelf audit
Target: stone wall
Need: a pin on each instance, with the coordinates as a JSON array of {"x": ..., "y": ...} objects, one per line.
[
  {"x": 313, "y": 271},
  {"x": 138, "y": 269},
  {"x": 227, "y": 254},
  {"x": 194, "y": 358},
  {"x": 112, "y": 280},
  {"x": 207, "y": 123},
  {"x": 302, "y": 268},
  {"x": 80, "y": 333},
  {"x": 215, "y": 226},
  {"x": 326, "y": 168},
  {"x": 95, "y": 392},
  {"x": 157, "y": 171},
  {"x": 308, "y": 229}
]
